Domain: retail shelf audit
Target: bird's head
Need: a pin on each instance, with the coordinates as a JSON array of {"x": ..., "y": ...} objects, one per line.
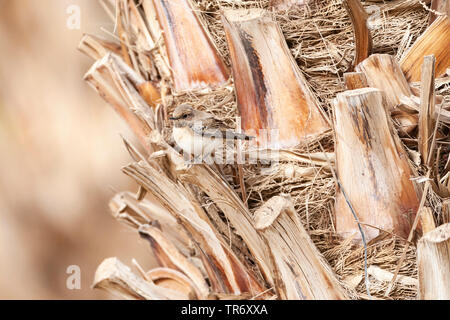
[{"x": 183, "y": 114}]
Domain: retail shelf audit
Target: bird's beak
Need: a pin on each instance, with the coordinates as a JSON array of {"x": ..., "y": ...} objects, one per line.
[{"x": 173, "y": 118}]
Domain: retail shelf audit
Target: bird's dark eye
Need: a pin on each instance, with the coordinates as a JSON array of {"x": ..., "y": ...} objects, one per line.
[{"x": 184, "y": 116}]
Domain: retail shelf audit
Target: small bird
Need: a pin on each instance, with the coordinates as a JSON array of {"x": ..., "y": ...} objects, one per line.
[{"x": 200, "y": 134}]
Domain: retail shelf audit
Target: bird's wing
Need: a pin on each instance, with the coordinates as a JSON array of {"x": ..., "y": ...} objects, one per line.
[{"x": 212, "y": 127}]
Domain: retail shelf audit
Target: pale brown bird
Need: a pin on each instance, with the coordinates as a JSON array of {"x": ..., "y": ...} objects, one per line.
[{"x": 199, "y": 133}]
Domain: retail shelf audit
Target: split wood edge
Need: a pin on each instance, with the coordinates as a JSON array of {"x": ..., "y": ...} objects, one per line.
[
  {"x": 433, "y": 41},
  {"x": 383, "y": 72},
  {"x": 116, "y": 82},
  {"x": 433, "y": 260},
  {"x": 271, "y": 91},
  {"x": 194, "y": 60},
  {"x": 372, "y": 168},
  {"x": 301, "y": 271},
  {"x": 115, "y": 277},
  {"x": 225, "y": 271}
]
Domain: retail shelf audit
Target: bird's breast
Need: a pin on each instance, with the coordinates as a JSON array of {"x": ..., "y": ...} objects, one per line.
[
  {"x": 184, "y": 138},
  {"x": 194, "y": 144}
]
